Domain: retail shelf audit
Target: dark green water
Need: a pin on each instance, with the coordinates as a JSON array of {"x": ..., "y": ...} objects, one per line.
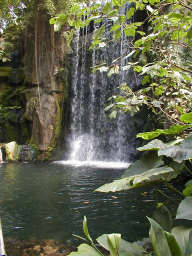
[{"x": 49, "y": 202}]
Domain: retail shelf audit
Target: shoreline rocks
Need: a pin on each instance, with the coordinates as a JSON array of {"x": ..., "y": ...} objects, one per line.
[
  {"x": 13, "y": 152},
  {"x": 35, "y": 247}
]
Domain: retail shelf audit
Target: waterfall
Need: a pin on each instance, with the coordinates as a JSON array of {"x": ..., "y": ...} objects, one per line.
[
  {"x": 1, "y": 155},
  {"x": 93, "y": 135}
]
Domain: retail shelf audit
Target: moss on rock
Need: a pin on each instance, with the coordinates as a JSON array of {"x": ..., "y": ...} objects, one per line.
[{"x": 5, "y": 71}]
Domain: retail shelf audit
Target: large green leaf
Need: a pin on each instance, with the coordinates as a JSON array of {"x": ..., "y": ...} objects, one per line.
[
  {"x": 116, "y": 185},
  {"x": 85, "y": 229},
  {"x": 146, "y": 162},
  {"x": 150, "y": 176},
  {"x": 152, "y": 145},
  {"x": 114, "y": 243},
  {"x": 158, "y": 144},
  {"x": 125, "y": 249},
  {"x": 173, "y": 130},
  {"x": 163, "y": 217},
  {"x": 153, "y": 175},
  {"x": 159, "y": 240},
  {"x": 180, "y": 152},
  {"x": 182, "y": 236},
  {"x": 188, "y": 189},
  {"x": 186, "y": 118},
  {"x": 188, "y": 249},
  {"x": 85, "y": 250},
  {"x": 173, "y": 245},
  {"x": 185, "y": 209}
]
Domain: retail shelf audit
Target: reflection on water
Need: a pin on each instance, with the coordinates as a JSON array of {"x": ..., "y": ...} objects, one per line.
[{"x": 49, "y": 202}]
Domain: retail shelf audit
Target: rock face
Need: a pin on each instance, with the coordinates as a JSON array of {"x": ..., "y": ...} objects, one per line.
[
  {"x": 44, "y": 57},
  {"x": 34, "y": 248},
  {"x": 33, "y": 89},
  {"x": 13, "y": 125},
  {"x": 44, "y": 121},
  {"x": 11, "y": 150},
  {"x": 26, "y": 153}
]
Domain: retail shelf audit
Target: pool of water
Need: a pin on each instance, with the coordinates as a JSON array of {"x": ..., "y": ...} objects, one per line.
[{"x": 48, "y": 201}]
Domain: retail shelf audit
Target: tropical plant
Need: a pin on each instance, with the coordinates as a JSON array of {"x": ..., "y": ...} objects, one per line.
[
  {"x": 160, "y": 56},
  {"x": 161, "y": 162},
  {"x": 178, "y": 242}
]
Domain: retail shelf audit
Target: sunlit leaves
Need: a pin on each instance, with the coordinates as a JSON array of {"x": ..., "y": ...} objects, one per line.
[
  {"x": 159, "y": 240},
  {"x": 180, "y": 152},
  {"x": 130, "y": 13},
  {"x": 184, "y": 210},
  {"x": 186, "y": 118},
  {"x": 173, "y": 130}
]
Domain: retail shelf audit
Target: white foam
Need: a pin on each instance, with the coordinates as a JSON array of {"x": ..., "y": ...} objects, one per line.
[{"x": 98, "y": 164}]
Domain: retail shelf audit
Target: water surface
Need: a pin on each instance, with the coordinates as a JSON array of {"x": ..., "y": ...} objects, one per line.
[{"x": 48, "y": 201}]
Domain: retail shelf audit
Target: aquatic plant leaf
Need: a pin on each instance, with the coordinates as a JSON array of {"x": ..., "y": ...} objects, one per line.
[
  {"x": 146, "y": 162},
  {"x": 188, "y": 190},
  {"x": 116, "y": 185},
  {"x": 125, "y": 248},
  {"x": 153, "y": 175},
  {"x": 179, "y": 152},
  {"x": 85, "y": 250},
  {"x": 173, "y": 245},
  {"x": 150, "y": 176},
  {"x": 152, "y": 145},
  {"x": 158, "y": 144},
  {"x": 182, "y": 236},
  {"x": 173, "y": 130},
  {"x": 85, "y": 229},
  {"x": 163, "y": 217},
  {"x": 114, "y": 243},
  {"x": 159, "y": 240},
  {"x": 185, "y": 209}
]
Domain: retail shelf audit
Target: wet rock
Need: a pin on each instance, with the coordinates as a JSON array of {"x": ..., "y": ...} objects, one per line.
[
  {"x": 26, "y": 153},
  {"x": 36, "y": 248},
  {"x": 11, "y": 151},
  {"x": 5, "y": 71},
  {"x": 44, "y": 122}
]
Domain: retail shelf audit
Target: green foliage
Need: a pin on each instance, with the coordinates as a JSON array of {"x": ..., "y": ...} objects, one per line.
[
  {"x": 183, "y": 238},
  {"x": 179, "y": 152},
  {"x": 145, "y": 163},
  {"x": 188, "y": 189},
  {"x": 159, "y": 240},
  {"x": 178, "y": 242},
  {"x": 163, "y": 217},
  {"x": 168, "y": 71},
  {"x": 148, "y": 169},
  {"x": 185, "y": 209},
  {"x": 159, "y": 174},
  {"x": 113, "y": 243},
  {"x": 85, "y": 249},
  {"x": 158, "y": 144},
  {"x": 173, "y": 130},
  {"x": 186, "y": 118}
]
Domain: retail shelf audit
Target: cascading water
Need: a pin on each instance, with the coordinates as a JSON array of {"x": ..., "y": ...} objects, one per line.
[
  {"x": 1, "y": 155},
  {"x": 93, "y": 135}
]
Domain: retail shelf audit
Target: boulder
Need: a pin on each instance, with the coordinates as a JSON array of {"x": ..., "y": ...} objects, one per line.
[{"x": 11, "y": 151}]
